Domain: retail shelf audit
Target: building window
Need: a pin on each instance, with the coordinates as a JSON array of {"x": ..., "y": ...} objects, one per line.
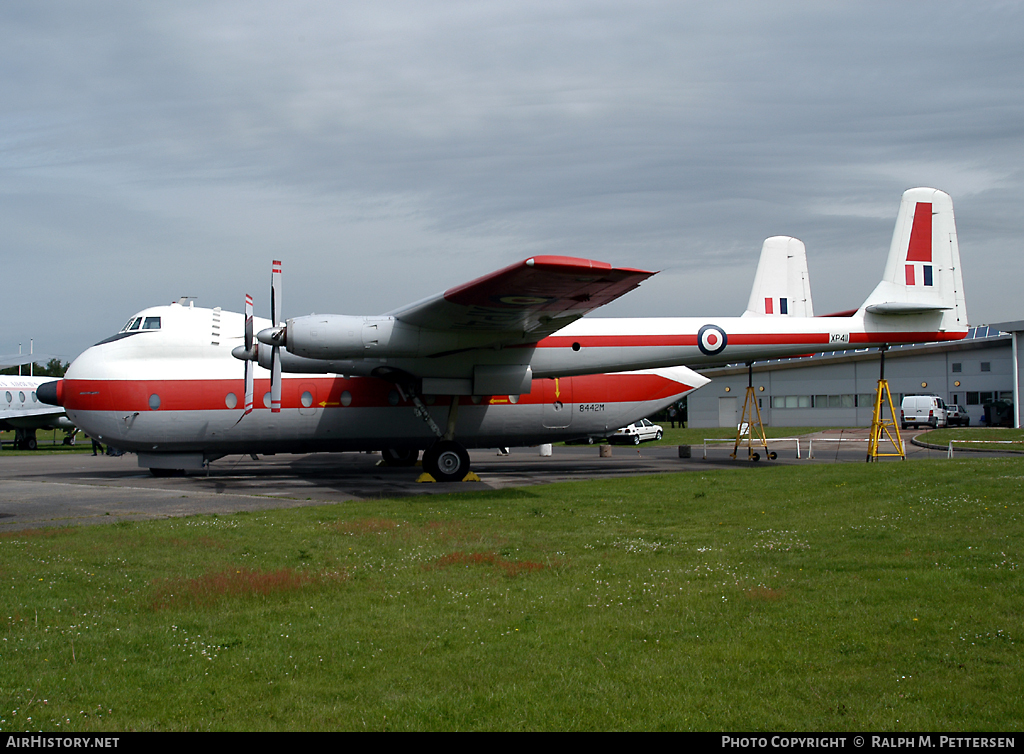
[
  {"x": 986, "y": 366},
  {"x": 958, "y": 367},
  {"x": 791, "y": 401},
  {"x": 973, "y": 399}
]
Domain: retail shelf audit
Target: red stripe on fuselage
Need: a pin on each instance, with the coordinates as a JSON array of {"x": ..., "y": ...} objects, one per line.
[
  {"x": 365, "y": 392},
  {"x": 743, "y": 339}
]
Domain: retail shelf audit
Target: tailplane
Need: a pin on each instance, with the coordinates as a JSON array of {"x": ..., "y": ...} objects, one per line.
[
  {"x": 922, "y": 274},
  {"x": 781, "y": 283}
]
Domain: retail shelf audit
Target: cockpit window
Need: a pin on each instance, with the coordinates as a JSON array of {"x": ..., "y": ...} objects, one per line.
[
  {"x": 151, "y": 323},
  {"x": 135, "y": 323}
]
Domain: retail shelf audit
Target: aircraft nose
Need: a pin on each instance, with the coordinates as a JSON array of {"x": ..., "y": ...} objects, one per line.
[{"x": 50, "y": 392}]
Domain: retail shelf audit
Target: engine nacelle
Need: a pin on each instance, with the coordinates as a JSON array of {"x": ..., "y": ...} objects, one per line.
[{"x": 339, "y": 336}]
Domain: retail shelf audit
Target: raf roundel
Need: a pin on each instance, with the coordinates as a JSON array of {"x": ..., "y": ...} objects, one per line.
[{"x": 711, "y": 339}]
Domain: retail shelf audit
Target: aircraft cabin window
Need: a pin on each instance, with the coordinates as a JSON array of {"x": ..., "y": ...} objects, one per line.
[
  {"x": 21, "y": 397},
  {"x": 231, "y": 400},
  {"x": 151, "y": 323},
  {"x": 154, "y": 402},
  {"x": 9, "y": 396}
]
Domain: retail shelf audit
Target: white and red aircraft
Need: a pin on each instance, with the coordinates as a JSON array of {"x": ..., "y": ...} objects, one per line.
[{"x": 504, "y": 360}]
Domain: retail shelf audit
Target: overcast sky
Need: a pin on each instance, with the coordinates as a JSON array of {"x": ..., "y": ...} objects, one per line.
[{"x": 386, "y": 151}]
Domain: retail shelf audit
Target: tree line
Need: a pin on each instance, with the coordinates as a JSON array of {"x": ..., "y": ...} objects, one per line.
[{"x": 52, "y": 368}]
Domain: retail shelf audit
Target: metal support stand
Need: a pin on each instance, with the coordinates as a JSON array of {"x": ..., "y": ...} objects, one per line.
[
  {"x": 879, "y": 425},
  {"x": 748, "y": 423}
]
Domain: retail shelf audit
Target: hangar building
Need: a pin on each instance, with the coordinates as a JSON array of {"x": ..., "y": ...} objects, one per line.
[{"x": 838, "y": 388}]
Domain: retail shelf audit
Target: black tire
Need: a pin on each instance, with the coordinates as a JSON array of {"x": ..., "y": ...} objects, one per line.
[
  {"x": 773, "y": 455},
  {"x": 967, "y": 422},
  {"x": 658, "y": 436},
  {"x": 446, "y": 461},
  {"x": 636, "y": 439},
  {"x": 400, "y": 456},
  {"x": 30, "y": 444},
  {"x": 756, "y": 457}
]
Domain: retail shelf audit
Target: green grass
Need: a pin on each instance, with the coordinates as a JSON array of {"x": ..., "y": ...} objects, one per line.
[
  {"x": 943, "y": 436},
  {"x": 850, "y": 597}
]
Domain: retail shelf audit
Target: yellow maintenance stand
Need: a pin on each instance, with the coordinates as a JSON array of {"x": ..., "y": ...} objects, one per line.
[
  {"x": 748, "y": 423},
  {"x": 879, "y": 425}
]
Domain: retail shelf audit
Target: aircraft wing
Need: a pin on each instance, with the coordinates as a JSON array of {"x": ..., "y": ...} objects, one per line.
[{"x": 528, "y": 300}]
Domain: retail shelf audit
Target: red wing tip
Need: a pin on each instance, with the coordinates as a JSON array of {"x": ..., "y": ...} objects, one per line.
[{"x": 576, "y": 263}]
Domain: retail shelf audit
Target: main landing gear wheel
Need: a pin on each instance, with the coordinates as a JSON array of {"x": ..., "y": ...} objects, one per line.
[
  {"x": 400, "y": 456},
  {"x": 446, "y": 461}
]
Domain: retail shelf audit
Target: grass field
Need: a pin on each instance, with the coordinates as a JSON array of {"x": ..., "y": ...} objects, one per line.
[
  {"x": 977, "y": 435},
  {"x": 851, "y": 597}
]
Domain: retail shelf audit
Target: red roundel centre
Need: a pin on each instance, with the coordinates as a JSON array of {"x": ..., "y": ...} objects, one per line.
[{"x": 712, "y": 339}]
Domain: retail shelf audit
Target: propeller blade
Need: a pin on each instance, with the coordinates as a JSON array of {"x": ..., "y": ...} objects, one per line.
[
  {"x": 248, "y": 387},
  {"x": 275, "y": 294},
  {"x": 275, "y": 380},
  {"x": 248, "y": 322},
  {"x": 275, "y": 354},
  {"x": 248, "y": 353}
]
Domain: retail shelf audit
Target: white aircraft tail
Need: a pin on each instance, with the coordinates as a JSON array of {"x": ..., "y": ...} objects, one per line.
[
  {"x": 922, "y": 274},
  {"x": 781, "y": 283}
]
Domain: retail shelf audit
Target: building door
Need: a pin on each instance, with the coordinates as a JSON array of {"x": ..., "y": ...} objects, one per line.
[{"x": 727, "y": 412}]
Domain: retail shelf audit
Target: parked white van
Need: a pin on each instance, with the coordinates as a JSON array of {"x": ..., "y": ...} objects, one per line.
[{"x": 916, "y": 410}]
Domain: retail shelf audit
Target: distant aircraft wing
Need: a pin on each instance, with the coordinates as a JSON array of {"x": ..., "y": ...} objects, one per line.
[{"x": 526, "y": 301}]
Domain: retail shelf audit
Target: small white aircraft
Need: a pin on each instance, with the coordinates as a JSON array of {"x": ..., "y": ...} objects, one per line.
[
  {"x": 503, "y": 360},
  {"x": 22, "y": 411}
]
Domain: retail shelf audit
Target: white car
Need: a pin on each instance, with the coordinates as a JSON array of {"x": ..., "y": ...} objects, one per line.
[{"x": 637, "y": 432}]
